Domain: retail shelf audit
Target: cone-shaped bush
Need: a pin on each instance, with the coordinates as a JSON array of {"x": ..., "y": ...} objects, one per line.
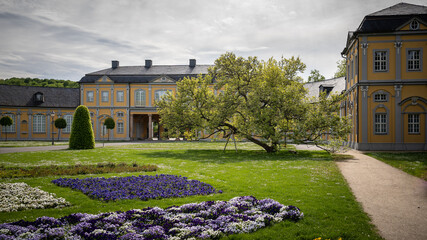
[{"x": 81, "y": 130}]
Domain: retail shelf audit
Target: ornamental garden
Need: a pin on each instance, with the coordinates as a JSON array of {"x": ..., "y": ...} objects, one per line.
[{"x": 191, "y": 190}]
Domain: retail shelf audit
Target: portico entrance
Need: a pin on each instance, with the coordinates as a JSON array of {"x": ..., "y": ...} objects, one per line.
[{"x": 145, "y": 127}]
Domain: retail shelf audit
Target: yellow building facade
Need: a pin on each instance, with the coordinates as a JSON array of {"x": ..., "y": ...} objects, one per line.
[
  {"x": 33, "y": 110},
  {"x": 128, "y": 95},
  {"x": 386, "y": 82}
]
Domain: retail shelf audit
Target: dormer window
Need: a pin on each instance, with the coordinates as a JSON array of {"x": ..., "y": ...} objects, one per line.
[
  {"x": 39, "y": 98},
  {"x": 326, "y": 88},
  {"x": 415, "y": 25}
]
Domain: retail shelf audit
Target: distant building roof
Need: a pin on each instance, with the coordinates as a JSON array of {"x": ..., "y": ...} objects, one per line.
[
  {"x": 25, "y": 96},
  {"x": 314, "y": 88},
  {"x": 145, "y": 74}
]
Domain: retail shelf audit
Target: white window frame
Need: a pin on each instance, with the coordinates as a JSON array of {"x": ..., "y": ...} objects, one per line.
[
  {"x": 11, "y": 128},
  {"x": 140, "y": 98},
  {"x": 69, "y": 120},
  {"x": 120, "y": 96},
  {"x": 380, "y": 97},
  {"x": 88, "y": 97},
  {"x": 120, "y": 127},
  {"x": 105, "y": 95},
  {"x": 380, "y": 123},
  {"x": 414, "y": 63},
  {"x": 414, "y": 123},
  {"x": 39, "y": 123},
  {"x": 381, "y": 58}
]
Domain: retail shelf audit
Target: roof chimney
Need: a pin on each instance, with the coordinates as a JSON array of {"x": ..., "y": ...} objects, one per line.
[
  {"x": 192, "y": 63},
  {"x": 148, "y": 63},
  {"x": 114, "y": 64}
]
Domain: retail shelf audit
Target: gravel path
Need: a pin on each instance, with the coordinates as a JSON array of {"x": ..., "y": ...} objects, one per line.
[{"x": 395, "y": 200}]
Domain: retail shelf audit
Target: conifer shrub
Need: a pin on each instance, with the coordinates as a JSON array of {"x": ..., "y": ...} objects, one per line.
[{"x": 82, "y": 136}]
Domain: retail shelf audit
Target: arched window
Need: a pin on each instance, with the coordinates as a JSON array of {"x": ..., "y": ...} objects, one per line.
[
  {"x": 140, "y": 98},
  {"x": 39, "y": 123}
]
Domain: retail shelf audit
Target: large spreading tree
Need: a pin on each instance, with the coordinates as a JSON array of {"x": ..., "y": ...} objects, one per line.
[{"x": 261, "y": 101}]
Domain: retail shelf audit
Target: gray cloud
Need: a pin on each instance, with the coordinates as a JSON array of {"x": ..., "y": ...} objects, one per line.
[{"x": 66, "y": 39}]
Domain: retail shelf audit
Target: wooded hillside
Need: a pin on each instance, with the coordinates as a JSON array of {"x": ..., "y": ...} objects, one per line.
[{"x": 39, "y": 82}]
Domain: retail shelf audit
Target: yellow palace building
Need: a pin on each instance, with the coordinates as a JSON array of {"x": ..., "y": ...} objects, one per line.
[
  {"x": 128, "y": 95},
  {"x": 386, "y": 82}
]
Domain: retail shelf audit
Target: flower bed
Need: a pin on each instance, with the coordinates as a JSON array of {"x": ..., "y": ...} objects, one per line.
[
  {"x": 143, "y": 187},
  {"x": 206, "y": 220},
  {"x": 20, "y": 196}
]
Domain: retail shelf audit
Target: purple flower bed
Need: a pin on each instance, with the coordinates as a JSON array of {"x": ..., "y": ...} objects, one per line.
[
  {"x": 206, "y": 220},
  {"x": 142, "y": 187}
]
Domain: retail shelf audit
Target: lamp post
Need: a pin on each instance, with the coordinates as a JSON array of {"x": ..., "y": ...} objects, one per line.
[{"x": 52, "y": 115}]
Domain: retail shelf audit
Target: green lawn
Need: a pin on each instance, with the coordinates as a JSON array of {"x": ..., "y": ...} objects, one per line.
[
  {"x": 309, "y": 180},
  {"x": 414, "y": 163}
]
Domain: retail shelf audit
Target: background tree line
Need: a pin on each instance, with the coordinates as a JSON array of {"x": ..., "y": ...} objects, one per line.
[{"x": 35, "y": 82}]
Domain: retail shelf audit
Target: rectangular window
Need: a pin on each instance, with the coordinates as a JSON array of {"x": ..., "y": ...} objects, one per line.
[
  {"x": 159, "y": 94},
  {"x": 89, "y": 96},
  {"x": 380, "y": 97},
  {"x": 120, "y": 114},
  {"x": 120, "y": 127},
  {"x": 11, "y": 128},
  {"x": 104, "y": 96},
  {"x": 39, "y": 123},
  {"x": 69, "y": 120},
  {"x": 351, "y": 69},
  {"x": 414, "y": 60},
  {"x": 413, "y": 123},
  {"x": 380, "y": 61},
  {"x": 120, "y": 96},
  {"x": 140, "y": 98},
  {"x": 380, "y": 123}
]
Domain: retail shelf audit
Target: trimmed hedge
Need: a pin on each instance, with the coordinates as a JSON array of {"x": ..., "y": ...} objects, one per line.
[{"x": 82, "y": 136}]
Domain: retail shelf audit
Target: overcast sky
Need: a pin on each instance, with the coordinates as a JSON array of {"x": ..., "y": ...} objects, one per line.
[{"x": 66, "y": 39}]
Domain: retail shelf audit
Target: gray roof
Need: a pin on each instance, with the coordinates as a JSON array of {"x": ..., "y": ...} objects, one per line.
[
  {"x": 142, "y": 74},
  {"x": 23, "y": 96},
  {"x": 401, "y": 9},
  {"x": 313, "y": 88},
  {"x": 389, "y": 20}
]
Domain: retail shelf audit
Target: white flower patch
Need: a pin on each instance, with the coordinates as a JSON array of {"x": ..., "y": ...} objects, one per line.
[{"x": 20, "y": 196}]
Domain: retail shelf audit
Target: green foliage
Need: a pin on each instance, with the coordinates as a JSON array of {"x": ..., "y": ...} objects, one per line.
[
  {"x": 35, "y": 82},
  {"x": 82, "y": 136},
  {"x": 322, "y": 120},
  {"x": 256, "y": 100},
  {"x": 6, "y": 121},
  {"x": 77, "y": 169},
  {"x": 261, "y": 101},
  {"x": 315, "y": 76},
  {"x": 341, "y": 69},
  {"x": 109, "y": 123},
  {"x": 60, "y": 123}
]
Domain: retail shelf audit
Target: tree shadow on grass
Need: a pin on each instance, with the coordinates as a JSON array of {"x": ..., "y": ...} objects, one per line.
[{"x": 218, "y": 156}]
